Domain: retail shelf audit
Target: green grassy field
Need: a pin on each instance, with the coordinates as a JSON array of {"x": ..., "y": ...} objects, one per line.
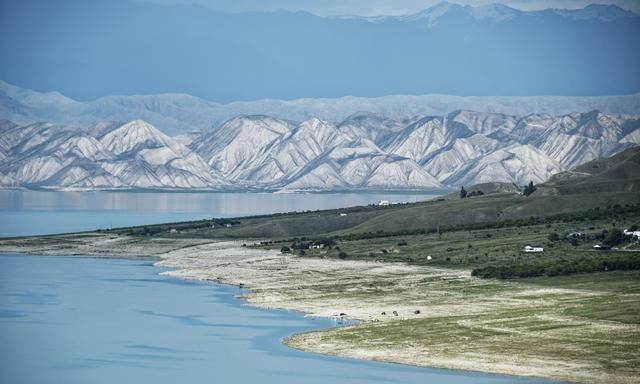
[{"x": 580, "y": 327}]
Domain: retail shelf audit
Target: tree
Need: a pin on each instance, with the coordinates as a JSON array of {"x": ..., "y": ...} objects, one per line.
[
  {"x": 529, "y": 189},
  {"x": 553, "y": 236},
  {"x": 463, "y": 192},
  {"x": 614, "y": 237},
  {"x": 285, "y": 249}
]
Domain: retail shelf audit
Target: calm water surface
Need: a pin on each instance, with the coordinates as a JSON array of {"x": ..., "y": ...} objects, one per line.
[
  {"x": 36, "y": 213},
  {"x": 80, "y": 320}
]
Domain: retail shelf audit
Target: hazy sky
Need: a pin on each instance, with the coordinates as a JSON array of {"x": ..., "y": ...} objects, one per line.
[
  {"x": 383, "y": 7},
  {"x": 92, "y": 48}
]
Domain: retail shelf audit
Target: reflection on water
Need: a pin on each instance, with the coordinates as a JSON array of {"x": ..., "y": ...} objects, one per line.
[
  {"x": 33, "y": 212},
  {"x": 75, "y": 320}
]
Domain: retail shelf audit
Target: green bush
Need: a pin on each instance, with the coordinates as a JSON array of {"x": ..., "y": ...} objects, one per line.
[
  {"x": 613, "y": 238},
  {"x": 585, "y": 264}
]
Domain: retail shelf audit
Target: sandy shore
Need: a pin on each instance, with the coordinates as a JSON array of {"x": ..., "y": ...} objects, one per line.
[
  {"x": 463, "y": 322},
  {"x": 96, "y": 245}
]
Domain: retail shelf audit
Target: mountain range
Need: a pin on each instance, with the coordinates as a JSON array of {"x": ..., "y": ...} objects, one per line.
[
  {"x": 366, "y": 151},
  {"x": 181, "y": 113}
]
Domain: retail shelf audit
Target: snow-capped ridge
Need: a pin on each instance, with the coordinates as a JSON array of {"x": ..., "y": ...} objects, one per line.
[{"x": 365, "y": 151}]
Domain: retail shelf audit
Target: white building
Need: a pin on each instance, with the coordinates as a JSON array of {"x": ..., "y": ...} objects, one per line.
[
  {"x": 533, "y": 248},
  {"x": 383, "y": 203},
  {"x": 634, "y": 234}
]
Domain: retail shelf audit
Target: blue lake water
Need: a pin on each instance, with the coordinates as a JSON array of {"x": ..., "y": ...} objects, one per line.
[
  {"x": 36, "y": 213},
  {"x": 81, "y": 320}
]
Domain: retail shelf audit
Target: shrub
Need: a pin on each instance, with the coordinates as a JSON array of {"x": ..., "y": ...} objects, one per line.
[
  {"x": 529, "y": 189},
  {"x": 614, "y": 237}
]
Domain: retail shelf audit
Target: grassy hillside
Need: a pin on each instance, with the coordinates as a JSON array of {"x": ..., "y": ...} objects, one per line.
[
  {"x": 424, "y": 215},
  {"x": 619, "y": 173}
]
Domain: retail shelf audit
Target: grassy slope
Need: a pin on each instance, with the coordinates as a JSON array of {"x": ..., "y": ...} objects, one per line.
[
  {"x": 427, "y": 215},
  {"x": 619, "y": 173}
]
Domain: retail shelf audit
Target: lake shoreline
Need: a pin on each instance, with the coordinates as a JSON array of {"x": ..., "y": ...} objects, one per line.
[
  {"x": 248, "y": 298},
  {"x": 295, "y": 322},
  {"x": 258, "y": 294},
  {"x": 360, "y": 290}
]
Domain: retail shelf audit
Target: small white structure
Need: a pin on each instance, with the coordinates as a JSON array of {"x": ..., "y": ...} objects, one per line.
[
  {"x": 533, "y": 248},
  {"x": 343, "y": 214},
  {"x": 173, "y": 230},
  {"x": 384, "y": 203},
  {"x": 429, "y": 257},
  {"x": 633, "y": 234},
  {"x": 228, "y": 225}
]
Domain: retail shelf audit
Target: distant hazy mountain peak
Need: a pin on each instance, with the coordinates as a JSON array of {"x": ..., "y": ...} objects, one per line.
[
  {"x": 177, "y": 113},
  {"x": 493, "y": 11},
  {"x": 432, "y": 14},
  {"x": 603, "y": 12},
  {"x": 502, "y": 12},
  {"x": 37, "y": 99}
]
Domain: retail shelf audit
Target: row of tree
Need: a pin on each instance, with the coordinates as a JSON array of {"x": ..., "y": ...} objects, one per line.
[
  {"x": 554, "y": 267},
  {"x": 526, "y": 190}
]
